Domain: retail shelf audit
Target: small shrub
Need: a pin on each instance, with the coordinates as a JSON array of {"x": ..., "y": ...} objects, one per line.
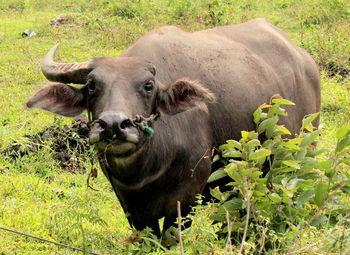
[
  {"x": 216, "y": 13},
  {"x": 182, "y": 9},
  {"x": 281, "y": 184},
  {"x": 328, "y": 45},
  {"x": 126, "y": 10}
]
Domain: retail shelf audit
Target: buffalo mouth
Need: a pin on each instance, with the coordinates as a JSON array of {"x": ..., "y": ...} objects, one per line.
[
  {"x": 116, "y": 148},
  {"x": 116, "y": 145}
]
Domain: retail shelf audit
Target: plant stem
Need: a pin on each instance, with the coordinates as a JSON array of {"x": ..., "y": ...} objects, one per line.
[
  {"x": 179, "y": 227},
  {"x": 246, "y": 223},
  {"x": 229, "y": 227}
]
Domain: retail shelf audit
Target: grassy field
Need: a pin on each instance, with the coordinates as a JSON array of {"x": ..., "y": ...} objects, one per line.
[{"x": 39, "y": 197}]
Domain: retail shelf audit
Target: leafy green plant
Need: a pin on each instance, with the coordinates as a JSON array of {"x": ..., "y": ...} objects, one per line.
[
  {"x": 125, "y": 9},
  {"x": 182, "y": 9},
  {"x": 144, "y": 242},
  {"x": 216, "y": 13},
  {"x": 324, "y": 43},
  {"x": 281, "y": 183}
]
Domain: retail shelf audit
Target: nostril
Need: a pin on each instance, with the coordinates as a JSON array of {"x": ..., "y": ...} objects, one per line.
[
  {"x": 101, "y": 124},
  {"x": 125, "y": 124}
]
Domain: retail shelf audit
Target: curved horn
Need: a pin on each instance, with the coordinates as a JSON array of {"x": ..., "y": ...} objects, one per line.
[{"x": 64, "y": 72}]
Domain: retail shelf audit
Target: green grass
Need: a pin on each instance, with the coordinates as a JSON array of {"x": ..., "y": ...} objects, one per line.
[
  {"x": 39, "y": 198},
  {"x": 60, "y": 208}
]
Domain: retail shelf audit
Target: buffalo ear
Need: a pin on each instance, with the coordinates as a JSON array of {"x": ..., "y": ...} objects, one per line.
[
  {"x": 59, "y": 98},
  {"x": 183, "y": 95}
]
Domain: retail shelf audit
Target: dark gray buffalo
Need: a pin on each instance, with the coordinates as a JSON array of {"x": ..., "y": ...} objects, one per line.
[{"x": 205, "y": 84}]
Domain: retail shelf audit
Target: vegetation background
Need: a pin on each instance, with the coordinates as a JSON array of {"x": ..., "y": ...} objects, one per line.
[{"x": 40, "y": 198}]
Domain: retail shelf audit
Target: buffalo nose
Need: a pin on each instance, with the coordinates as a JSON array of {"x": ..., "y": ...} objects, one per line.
[{"x": 114, "y": 125}]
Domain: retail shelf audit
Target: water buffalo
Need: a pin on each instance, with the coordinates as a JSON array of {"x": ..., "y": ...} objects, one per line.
[{"x": 204, "y": 84}]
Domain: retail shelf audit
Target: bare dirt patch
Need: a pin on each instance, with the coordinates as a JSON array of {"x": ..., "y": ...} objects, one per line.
[{"x": 68, "y": 144}]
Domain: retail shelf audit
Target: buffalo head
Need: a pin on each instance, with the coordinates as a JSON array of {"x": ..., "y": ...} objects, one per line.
[{"x": 114, "y": 90}]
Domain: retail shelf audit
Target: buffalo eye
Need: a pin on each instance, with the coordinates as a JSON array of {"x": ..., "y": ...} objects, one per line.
[
  {"x": 91, "y": 87},
  {"x": 148, "y": 86}
]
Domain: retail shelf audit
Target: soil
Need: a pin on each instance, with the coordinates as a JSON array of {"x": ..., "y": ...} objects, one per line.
[
  {"x": 337, "y": 71},
  {"x": 69, "y": 145}
]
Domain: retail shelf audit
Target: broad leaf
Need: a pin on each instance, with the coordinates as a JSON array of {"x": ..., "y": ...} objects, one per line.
[
  {"x": 215, "y": 158},
  {"x": 244, "y": 134},
  {"x": 293, "y": 164},
  {"x": 221, "y": 196},
  {"x": 225, "y": 146},
  {"x": 290, "y": 145},
  {"x": 283, "y": 129},
  {"x": 268, "y": 125},
  {"x": 233, "y": 204},
  {"x": 275, "y": 198},
  {"x": 341, "y": 144},
  {"x": 326, "y": 166},
  {"x": 234, "y": 144},
  {"x": 253, "y": 143},
  {"x": 343, "y": 131},
  {"x": 259, "y": 154},
  {"x": 318, "y": 220},
  {"x": 304, "y": 197},
  {"x": 282, "y": 101},
  {"x": 218, "y": 174},
  {"x": 257, "y": 115},
  {"x": 292, "y": 184},
  {"x": 307, "y": 122},
  {"x": 321, "y": 193},
  {"x": 310, "y": 138},
  {"x": 231, "y": 153}
]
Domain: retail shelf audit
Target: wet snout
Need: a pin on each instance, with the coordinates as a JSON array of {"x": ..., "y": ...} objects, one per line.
[{"x": 113, "y": 126}]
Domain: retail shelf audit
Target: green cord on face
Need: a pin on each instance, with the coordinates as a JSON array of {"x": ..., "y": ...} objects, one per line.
[
  {"x": 143, "y": 124},
  {"x": 149, "y": 132}
]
